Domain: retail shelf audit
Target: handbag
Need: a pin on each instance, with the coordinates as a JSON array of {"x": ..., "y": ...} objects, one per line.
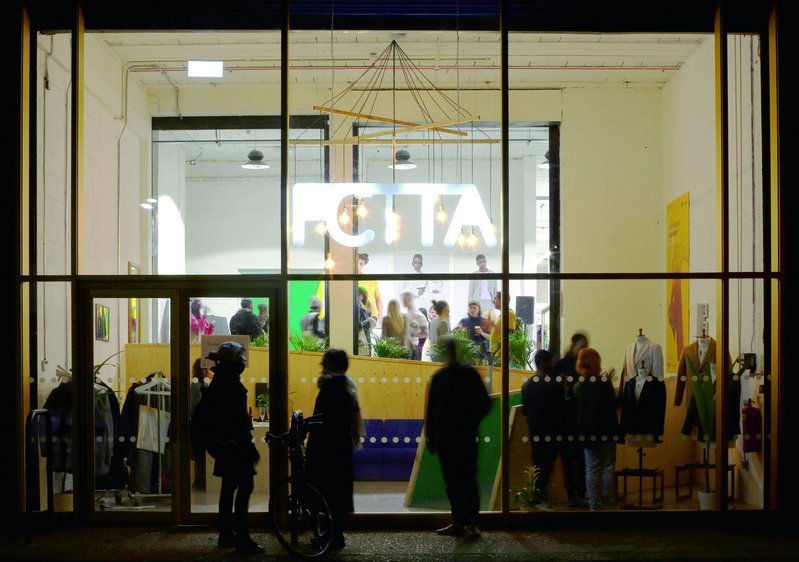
[{"x": 151, "y": 434}]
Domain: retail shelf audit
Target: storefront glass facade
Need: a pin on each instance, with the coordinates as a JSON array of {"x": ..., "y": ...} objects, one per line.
[{"x": 373, "y": 190}]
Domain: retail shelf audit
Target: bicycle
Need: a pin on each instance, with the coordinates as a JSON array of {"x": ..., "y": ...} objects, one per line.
[{"x": 300, "y": 514}]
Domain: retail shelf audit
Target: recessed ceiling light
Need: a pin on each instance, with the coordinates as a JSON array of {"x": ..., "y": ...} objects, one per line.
[{"x": 206, "y": 68}]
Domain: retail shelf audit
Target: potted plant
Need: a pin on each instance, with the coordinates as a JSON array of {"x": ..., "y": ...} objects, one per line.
[
  {"x": 389, "y": 347},
  {"x": 707, "y": 497},
  {"x": 521, "y": 348},
  {"x": 261, "y": 341},
  {"x": 308, "y": 343},
  {"x": 466, "y": 350},
  {"x": 531, "y": 495}
]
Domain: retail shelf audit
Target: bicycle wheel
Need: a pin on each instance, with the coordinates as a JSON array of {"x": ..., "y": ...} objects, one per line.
[{"x": 301, "y": 518}]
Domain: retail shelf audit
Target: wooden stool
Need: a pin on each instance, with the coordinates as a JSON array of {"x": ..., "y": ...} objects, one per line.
[
  {"x": 691, "y": 467},
  {"x": 641, "y": 473}
]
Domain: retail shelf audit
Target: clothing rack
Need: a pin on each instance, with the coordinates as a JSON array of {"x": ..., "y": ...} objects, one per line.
[{"x": 160, "y": 387}]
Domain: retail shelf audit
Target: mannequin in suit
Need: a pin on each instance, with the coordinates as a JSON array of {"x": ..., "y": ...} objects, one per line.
[
  {"x": 642, "y": 393},
  {"x": 696, "y": 376}
]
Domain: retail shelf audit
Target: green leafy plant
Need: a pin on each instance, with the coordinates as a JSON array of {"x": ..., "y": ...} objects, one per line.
[
  {"x": 521, "y": 348},
  {"x": 97, "y": 368},
  {"x": 261, "y": 341},
  {"x": 531, "y": 494},
  {"x": 466, "y": 350},
  {"x": 262, "y": 400},
  {"x": 389, "y": 347},
  {"x": 308, "y": 343}
]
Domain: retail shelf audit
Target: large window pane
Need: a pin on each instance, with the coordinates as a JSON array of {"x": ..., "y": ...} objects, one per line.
[
  {"x": 635, "y": 117},
  {"x": 53, "y": 164},
  {"x": 414, "y": 151},
  {"x": 135, "y": 450},
  {"x": 174, "y": 198}
]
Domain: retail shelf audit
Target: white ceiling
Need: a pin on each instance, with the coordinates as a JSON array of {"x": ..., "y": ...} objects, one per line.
[{"x": 446, "y": 58}]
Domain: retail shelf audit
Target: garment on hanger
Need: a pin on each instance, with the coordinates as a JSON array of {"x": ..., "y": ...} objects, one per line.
[
  {"x": 695, "y": 379},
  {"x": 147, "y": 468},
  {"x": 643, "y": 412},
  {"x": 59, "y": 404},
  {"x": 117, "y": 475},
  {"x": 644, "y": 350}
]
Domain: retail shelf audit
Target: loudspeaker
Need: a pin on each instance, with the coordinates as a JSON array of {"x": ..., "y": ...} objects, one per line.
[{"x": 525, "y": 309}]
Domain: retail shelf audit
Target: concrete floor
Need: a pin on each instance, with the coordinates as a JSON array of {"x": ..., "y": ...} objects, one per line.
[{"x": 179, "y": 544}]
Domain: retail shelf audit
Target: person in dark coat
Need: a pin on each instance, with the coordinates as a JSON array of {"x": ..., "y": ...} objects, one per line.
[
  {"x": 245, "y": 322},
  {"x": 571, "y": 453},
  {"x": 598, "y": 425},
  {"x": 542, "y": 404},
  {"x": 230, "y": 443},
  {"x": 456, "y": 403},
  {"x": 329, "y": 464}
]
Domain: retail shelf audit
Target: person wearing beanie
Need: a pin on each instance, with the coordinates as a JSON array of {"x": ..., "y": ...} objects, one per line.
[{"x": 598, "y": 428}]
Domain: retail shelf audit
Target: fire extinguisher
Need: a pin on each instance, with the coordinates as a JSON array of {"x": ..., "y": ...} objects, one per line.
[{"x": 752, "y": 424}]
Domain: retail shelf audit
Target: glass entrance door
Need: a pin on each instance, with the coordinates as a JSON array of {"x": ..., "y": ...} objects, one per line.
[{"x": 215, "y": 318}]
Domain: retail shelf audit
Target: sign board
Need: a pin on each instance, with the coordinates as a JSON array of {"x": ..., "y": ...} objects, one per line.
[{"x": 315, "y": 202}]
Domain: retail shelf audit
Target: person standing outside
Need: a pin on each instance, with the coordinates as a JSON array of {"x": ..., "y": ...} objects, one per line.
[
  {"x": 244, "y": 322},
  {"x": 542, "y": 404},
  {"x": 230, "y": 443},
  {"x": 482, "y": 290},
  {"x": 456, "y": 404},
  {"x": 597, "y": 422},
  {"x": 375, "y": 299},
  {"x": 330, "y": 444},
  {"x": 571, "y": 453}
]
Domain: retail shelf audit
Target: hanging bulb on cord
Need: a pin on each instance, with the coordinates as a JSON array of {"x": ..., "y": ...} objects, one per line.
[
  {"x": 344, "y": 218},
  {"x": 361, "y": 210},
  {"x": 461, "y": 238},
  {"x": 471, "y": 239},
  {"x": 320, "y": 228},
  {"x": 329, "y": 263},
  {"x": 441, "y": 214}
]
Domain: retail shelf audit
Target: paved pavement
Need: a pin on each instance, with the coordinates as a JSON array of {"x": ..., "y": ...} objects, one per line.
[{"x": 122, "y": 544}]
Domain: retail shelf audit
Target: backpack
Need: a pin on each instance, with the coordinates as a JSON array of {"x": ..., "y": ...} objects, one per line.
[{"x": 201, "y": 427}]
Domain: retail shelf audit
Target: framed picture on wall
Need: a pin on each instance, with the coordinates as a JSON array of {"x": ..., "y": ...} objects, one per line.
[
  {"x": 102, "y": 322},
  {"x": 133, "y": 309}
]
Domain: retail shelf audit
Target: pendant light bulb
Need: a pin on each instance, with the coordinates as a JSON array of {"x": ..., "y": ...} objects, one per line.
[
  {"x": 441, "y": 215},
  {"x": 361, "y": 210},
  {"x": 344, "y": 218},
  {"x": 329, "y": 263},
  {"x": 461, "y": 239},
  {"x": 320, "y": 228},
  {"x": 471, "y": 239}
]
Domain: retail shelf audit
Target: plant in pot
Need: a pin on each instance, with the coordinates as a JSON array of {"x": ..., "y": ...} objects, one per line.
[
  {"x": 531, "y": 495},
  {"x": 389, "y": 347},
  {"x": 261, "y": 341},
  {"x": 521, "y": 348},
  {"x": 308, "y": 343},
  {"x": 262, "y": 402},
  {"x": 466, "y": 350}
]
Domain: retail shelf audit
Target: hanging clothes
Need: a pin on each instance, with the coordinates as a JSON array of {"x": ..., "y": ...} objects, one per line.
[
  {"x": 117, "y": 475},
  {"x": 642, "y": 350},
  {"x": 149, "y": 471},
  {"x": 752, "y": 424},
  {"x": 644, "y": 414},
  {"x": 59, "y": 404},
  {"x": 696, "y": 379}
]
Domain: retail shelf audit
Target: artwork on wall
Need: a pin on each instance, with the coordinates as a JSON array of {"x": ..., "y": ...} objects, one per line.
[
  {"x": 102, "y": 322},
  {"x": 133, "y": 309},
  {"x": 678, "y": 245}
]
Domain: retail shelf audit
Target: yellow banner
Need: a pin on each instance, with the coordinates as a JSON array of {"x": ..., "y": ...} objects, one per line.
[{"x": 678, "y": 245}]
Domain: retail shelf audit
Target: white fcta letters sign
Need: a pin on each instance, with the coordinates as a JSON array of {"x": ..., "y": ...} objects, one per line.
[{"x": 313, "y": 202}]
